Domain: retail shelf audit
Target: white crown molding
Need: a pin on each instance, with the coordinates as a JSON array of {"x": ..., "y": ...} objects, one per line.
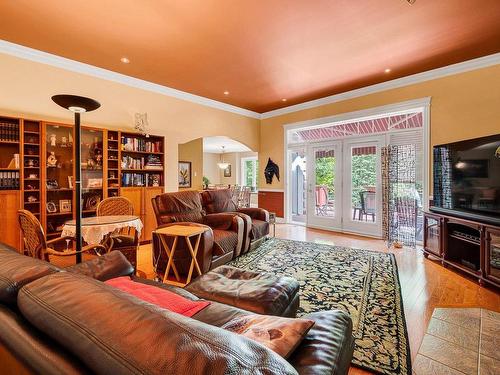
[
  {"x": 82, "y": 68},
  {"x": 79, "y": 67},
  {"x": 481, "y": 62}
]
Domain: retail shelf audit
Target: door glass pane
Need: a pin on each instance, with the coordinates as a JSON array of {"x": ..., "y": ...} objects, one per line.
[
  {"x": 92, "y": 170},
  {"x": 363, "y": 183},
  {"x": 324, "y": 189},
  {"x": 298, "y": 183}
]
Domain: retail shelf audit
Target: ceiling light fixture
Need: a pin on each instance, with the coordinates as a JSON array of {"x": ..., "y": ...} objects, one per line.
[
  {"x": 222, "y": 164},
  {"x": 124, "y": 60},
  {"x": 226, "y": 92},
  {"x": 387, "y": 70}
]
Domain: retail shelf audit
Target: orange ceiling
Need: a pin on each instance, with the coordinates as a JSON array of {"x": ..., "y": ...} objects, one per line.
[{"x": 260, "y": 51}]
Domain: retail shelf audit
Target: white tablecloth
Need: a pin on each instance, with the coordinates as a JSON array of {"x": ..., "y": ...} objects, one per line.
[{"x": 94, "y": 229}]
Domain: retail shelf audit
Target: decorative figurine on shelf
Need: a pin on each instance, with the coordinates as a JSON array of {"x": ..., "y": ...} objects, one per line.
[
  {"x": 32, "y": 199},
  {"x": 52, "y": 160},
  {"x": 98, "y": 157},
  {"x": 90, "y": 163},
  {"x": 70, "y": 140},
  {"x": 155, "y": 180},
  {"x": 53, "y": 140},
  {"x": 141, "y": 123},
  {"x": 64, "y": 142}
]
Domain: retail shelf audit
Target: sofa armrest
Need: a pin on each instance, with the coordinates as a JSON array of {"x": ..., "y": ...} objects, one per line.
[
  {"x": 256, "y": 213},
  {"x": 327, "y": 347},
  {"x": 111, "y": 265}
]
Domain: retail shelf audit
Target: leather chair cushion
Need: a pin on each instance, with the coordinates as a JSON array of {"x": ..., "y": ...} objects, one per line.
[
  {"x": 17, "y": 270},
  {"x": 258, "y": 292},
  {"x": 111, "y": 343},
  {"x": 259, "y": 229},
  {"x": 215, "y": 201},
  {"x": 225, "y": 241},
  {"x": 180, "y": 206}
]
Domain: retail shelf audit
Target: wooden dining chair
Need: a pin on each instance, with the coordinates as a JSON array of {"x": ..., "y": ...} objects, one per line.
[
  {"x": 37, "y": 246},
  {"x": 126, "y": 239}
]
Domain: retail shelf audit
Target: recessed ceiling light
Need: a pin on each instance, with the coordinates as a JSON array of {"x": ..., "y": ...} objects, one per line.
[
  {"x": 226, "y": 92},
  {"x": 283, "y": 100},
  {"x": 124, "y": 60},
  {"x": 388, "y": 70}
]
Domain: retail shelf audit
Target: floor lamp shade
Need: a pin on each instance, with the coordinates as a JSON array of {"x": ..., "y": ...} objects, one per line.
[{"x": 77, "y": 105}]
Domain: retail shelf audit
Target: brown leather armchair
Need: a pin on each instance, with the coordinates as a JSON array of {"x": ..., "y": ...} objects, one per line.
[
  {"x": 256, "y": 219},
  {"x": 218, "y": 244}
]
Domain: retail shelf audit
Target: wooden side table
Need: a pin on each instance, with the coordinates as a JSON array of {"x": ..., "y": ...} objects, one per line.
[{"x": 186, "y": 232}]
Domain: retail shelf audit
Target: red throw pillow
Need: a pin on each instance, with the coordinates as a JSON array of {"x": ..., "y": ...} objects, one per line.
[{"x": 158, "y": 296}]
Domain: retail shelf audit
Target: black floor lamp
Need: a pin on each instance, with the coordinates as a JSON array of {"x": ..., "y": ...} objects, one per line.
[{"x": 77, "y": 105}]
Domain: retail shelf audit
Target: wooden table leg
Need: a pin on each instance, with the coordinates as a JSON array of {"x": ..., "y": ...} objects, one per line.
[
  {"x": 170, "y": 261},
  {"x": 168, "y": 251},
  {"x": 194, "y": 261}
]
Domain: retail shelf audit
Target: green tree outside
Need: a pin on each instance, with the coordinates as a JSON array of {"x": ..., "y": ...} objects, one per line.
[{"x": 363, "y": 174}]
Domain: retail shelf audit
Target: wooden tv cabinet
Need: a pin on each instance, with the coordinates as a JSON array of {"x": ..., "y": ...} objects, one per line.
[{"x": 467, "y": 245}]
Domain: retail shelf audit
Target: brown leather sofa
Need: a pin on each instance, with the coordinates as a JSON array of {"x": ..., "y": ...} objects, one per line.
[
  {"x": 256, "y": 220},
  {"x": 218, "y": 244},
  {"x": 69, "y": 322}
]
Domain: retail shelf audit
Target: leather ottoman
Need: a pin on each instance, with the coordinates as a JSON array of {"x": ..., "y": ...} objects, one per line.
[{"x": 257, "y": 292}]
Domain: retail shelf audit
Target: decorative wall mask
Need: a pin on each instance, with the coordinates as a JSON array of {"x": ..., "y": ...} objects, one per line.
[{"x": 271, "y": 170}]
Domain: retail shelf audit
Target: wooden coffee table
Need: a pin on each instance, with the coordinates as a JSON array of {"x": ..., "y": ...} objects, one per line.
[{"x": 186, "y": 232}]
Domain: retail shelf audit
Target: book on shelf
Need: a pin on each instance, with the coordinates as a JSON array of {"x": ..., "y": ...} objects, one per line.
[
  {"x": 140, "y": 179},
  {"x": 9, "y": 180},
  {"x": 9, "y": 132},
  {"x": 129, "y": 162},
  {"x": 141, "y": 145}
]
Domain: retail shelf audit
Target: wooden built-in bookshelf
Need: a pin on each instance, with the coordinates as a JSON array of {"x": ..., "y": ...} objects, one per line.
[{"x": 23, "y": 184}]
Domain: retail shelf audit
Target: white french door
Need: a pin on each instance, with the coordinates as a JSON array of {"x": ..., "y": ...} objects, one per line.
[
  {"x": 324, "y": 187},
  {"x": 362, "y": 186},
  {"x": 344, "y": 185}
]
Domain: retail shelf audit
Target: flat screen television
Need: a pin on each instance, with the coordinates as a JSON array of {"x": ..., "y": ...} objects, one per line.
[{"x": 467, "y": 179}]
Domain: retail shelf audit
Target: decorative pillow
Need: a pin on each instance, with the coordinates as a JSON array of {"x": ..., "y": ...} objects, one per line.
[{"x": 282, "y": 335}]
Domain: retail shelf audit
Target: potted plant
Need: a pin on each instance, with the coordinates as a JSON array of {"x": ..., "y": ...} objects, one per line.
[{"x": 206, "y": 182}]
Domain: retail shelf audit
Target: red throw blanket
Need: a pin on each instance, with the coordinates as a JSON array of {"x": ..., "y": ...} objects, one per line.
[{"x": 158, "y": 296}]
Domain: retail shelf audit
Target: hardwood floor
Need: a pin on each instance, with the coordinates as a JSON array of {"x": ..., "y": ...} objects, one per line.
[{"x": 425, "y": 283}]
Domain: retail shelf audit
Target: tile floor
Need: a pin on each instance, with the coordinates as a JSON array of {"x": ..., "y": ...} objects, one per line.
[{"x": 460, "y": 341}]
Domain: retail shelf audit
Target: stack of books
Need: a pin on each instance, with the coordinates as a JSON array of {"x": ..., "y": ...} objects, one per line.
[{"x": 153, "y": 162}]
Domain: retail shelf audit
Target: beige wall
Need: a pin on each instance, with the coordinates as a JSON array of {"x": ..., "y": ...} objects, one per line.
[
  {"x": 26, "y": 88},
  {"x": 233, "y": 159},
  {"x": 463, "y": 106},
  {"x": 210, "y": 168},
  {"x": 193, "y": 152}
]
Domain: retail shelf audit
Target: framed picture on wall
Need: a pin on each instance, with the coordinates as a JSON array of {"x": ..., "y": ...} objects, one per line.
[
  {"x": 227, "y": 171},
  {"x": 184, "y": 174}
]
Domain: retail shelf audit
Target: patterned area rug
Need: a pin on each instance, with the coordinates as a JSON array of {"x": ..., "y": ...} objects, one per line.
[{"x": 363, "y": 283}]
